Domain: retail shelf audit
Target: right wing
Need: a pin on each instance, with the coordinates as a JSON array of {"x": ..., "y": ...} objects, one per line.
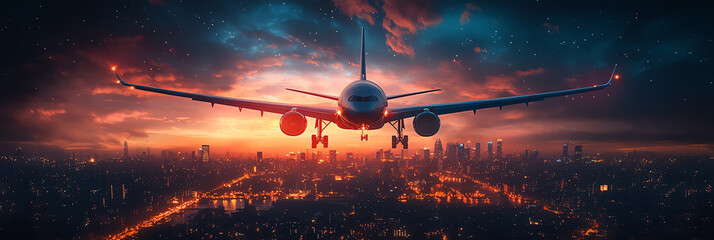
[
  {"x": 279, "y": 108},
  {"x": 446, "y": 108}
]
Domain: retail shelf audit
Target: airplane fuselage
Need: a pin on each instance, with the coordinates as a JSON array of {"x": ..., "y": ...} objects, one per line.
[{"x": 361, "y": 105}]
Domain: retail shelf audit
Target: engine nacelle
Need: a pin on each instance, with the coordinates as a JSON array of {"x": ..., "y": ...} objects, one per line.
[
  {"x": 426, "y": 123},
  {"x": 293, "y": 123}
]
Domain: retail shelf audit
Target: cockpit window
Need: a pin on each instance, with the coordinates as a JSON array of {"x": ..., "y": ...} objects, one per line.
[{"x": 355, "y": 98}]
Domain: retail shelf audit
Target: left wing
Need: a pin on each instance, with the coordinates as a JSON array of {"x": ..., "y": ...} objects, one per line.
[
  {"x": 279, "y": 108},
  {"x": 446, "y": 108}
]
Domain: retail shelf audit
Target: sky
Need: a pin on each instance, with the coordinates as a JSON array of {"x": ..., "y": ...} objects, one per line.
[{"x": 58, "y": 91}]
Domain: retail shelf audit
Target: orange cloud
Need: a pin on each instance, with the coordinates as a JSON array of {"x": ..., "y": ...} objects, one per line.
[
  {"x": 358, "y": 8},
  {"x": 530, "y": 72},
  {"x": 404, "y": 17},
  {"x": 466, "y": 14}
]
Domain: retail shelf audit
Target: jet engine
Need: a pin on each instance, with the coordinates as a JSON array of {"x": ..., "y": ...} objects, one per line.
[
  {"x": 426, "y": 123},
  {"x": 293, "y": 123}
]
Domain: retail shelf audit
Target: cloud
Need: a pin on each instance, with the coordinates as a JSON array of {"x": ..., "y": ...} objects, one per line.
[
  {"x": 466, "y": 14},
  {"x": 405, "y": 17},
  {"x": 358, "y": 8},
  {"x": 530, "y": 72}
]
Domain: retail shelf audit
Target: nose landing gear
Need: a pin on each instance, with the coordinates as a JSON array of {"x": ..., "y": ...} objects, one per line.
[
  {"x": 400, "y": 138},
  {"x": 319, "y": 138}
]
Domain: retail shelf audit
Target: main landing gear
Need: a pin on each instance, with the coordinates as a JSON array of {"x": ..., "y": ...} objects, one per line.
[
  {"x": 319, "y": 138},
  {"x": 364, "y": 137},
  {"x": 400, "y": 138}
]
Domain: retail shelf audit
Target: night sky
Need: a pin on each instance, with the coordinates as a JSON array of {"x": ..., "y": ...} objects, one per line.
[{"x": 58, "y": 90}]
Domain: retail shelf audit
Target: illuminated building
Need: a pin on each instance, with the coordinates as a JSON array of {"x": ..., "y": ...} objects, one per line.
[
  {"x": 205, "y": 153},
  {"x": 452, "y": 155},
  {"x": 578, "y": 153},
  {"x": 564, "y": 157},
  {"x": 126, "y": 150},
  {"x": 438, "y": 155},
  {"x": 490, "y": 150},
  {"x": 477, "y": 151},
  {"x": 333, "y": 156},
  {"x": 499, "y": 148},
  {"x": 426, "y": 154}
]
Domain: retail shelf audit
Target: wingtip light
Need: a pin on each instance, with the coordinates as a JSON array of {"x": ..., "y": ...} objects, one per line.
[
  {"x": 114, "y": 68},
  {"x": 617, "y": 76}
]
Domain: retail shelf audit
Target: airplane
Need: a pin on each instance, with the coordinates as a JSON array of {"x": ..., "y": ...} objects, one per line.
[{"x": 363, "y": 105}]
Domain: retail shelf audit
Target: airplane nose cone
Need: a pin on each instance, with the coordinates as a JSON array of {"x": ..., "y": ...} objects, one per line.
[{"x": 363, "y": 114}]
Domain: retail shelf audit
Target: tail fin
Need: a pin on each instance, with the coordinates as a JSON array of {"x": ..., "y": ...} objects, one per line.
[{"x": 363, "y": 73}]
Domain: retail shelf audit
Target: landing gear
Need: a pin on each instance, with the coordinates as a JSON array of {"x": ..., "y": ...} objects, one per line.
[
  {"x": 364, "y": 137},
  {"x": 319, "y": 138},
  {"x": 400, "y": 138}
]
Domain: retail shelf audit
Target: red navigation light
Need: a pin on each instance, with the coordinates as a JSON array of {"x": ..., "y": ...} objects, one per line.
[
  {"x": 617, "y": 76},
  {"x": 114, "y": 68},
  {"x": 339, "y": 112},
  {"x": 385, "y": 112}
]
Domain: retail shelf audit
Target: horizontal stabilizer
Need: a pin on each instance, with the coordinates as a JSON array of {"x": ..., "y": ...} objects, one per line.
[
  {"x": 409, "y": 94},
  {"x": 314, "y": 94}
]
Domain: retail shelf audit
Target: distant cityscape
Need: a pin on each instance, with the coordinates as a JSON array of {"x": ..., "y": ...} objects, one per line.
[{"x": 454, "y": 191}]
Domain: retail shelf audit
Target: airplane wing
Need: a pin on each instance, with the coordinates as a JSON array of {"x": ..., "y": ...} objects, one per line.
[
  {"x": 279, "y": 108},
  {"x": 446, "y": 108}
]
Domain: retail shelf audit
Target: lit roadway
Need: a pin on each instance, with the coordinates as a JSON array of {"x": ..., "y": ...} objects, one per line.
[{"x": 165, "y": 216}]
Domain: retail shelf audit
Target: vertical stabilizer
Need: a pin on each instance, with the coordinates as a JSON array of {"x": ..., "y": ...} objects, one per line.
[{"x": 363, "y": 71}]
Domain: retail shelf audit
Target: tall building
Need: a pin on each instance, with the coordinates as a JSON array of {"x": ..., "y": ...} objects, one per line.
[
  {"x": 439, "y": 155},
  {"x": 426, "y": 154},
  {"x": 564, "y": 157},
  {"x": 452, "y": 155},
  {"x": 490, "y": 150},
  {"x": 205, "y": 153},
  {"x": 126, "y": 150},
  {"x": 477, "y": 151},
  {"x": 333, "y": 156},
  {"x": 259, "y": 157},
  {"x": 578, "y": 153},
  {"x": 525, "y": 157},
  {"x": 499, "y": 148}
]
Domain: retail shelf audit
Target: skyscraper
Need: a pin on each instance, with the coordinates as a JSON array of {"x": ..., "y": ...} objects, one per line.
[
  {"x": 477, "y": 151},
  {"x": 438, "y": 155},
  {"x": 499, "y": 148},
  {"x": 259, "y": 157},
  {"x": 452, "y": 156},
  {"x": 489, "y": 148},
  {"x": 564, "y": 157},
  {"x": 578, "y": 153},
  {"x": 205, "y": 153},
  {"x": 333, "y": 156},
  {"x": 126, "y": 150}
]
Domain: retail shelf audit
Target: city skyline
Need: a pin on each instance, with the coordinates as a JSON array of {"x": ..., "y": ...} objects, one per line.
[{"x": 62, "y": 95}]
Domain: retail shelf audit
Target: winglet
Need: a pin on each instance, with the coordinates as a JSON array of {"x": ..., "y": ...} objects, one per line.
[
  {"x": 363, "y": 71},
  {"x": 121, "y": 80},
  {"x": 611, "y": 76}
]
